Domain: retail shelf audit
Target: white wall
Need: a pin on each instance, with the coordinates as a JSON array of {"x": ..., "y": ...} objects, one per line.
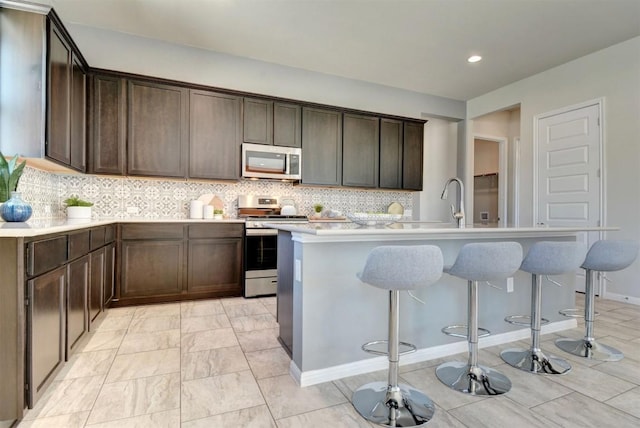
[{"x": 614, "y": 75}]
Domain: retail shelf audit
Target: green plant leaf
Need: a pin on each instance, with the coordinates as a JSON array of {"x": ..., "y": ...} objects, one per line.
[{"x": 14, "y": 177}]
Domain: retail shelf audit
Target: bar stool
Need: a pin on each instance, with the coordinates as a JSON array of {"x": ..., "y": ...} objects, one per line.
[
  {"x": 544, "y": 258},
  {"x": 479, "y": 262},
  {"x": 604, "y": 256},
  {"x": 396, "y": 268}
]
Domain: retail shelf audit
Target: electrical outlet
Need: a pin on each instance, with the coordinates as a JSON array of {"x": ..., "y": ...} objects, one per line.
[
  {"x": 510, "y": 284},
  {"x": 132, "y": 210}
]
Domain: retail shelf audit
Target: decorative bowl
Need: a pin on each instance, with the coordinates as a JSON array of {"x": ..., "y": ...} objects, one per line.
[{"x": 374, "y": 219}]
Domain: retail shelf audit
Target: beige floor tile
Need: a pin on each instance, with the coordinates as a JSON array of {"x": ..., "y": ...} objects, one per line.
[
  {"x": 499, "y": 412},
  {"x": 72, "y": 420},
  {"x": 259, "y": 339},
  {"x": 144, "y": 364},
  {"x": 593, "y": 383},
  {"x": 630, "y": 349},
  {"x": 268, "y": 300},
  {"x": 253, "y": 417},
  {"x": 136, "y": 397},
  {"x": 67, "y": 397},
  {"x": 254, "y": 322},
  {"x": 230, "y": 301},
  {"x": 285, "y": 398},
  {"x": 576, "y": 410},
  {"x": 442, "y": 419},
  {"x": 342, "y": 415},
  {"x": 152, "y": 311},
  {"x": 85, "y": 364},
  {"x": 627, "y": 402},
  {"x": 208, "y": 339},
  {"x": 349, "y": 384},
  {"x": 625, "y": 369},
  {"x": 123, "y": 311},
  {"x": 211, "y": 396},
  {"x": 268, "y": 362},
  {"x": 113, "y": 322},
  {"x": 212, "y": 362},
  {"x": 149, "y": 341},
  {"x": 209, "y": 322},
  {"x": 252, "y": 308},
  {"x": 101, "y": 340},
  {"x": 272, "y": 308},
  {"x": 146, "y": 325},
  {"x": 168, "y": 419},
  {"x": 529, "y": 389},
  {"x": 199, "y": 308}
]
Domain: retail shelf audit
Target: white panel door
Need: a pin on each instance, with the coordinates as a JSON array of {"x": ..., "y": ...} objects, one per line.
[{"x": 569, "y": 172}]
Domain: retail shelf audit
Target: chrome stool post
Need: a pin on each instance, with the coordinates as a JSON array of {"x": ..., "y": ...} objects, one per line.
[
  {"x": 479, "y": 262},
  {"x": 544, "y": 258},
  {"x": 396, "y": 268},
  {"x": 603, "y": 256}
]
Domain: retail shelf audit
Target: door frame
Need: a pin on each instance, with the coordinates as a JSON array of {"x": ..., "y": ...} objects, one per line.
[
  {"x": 503, "y": 211},
  {"x": 600, "y": 284}
]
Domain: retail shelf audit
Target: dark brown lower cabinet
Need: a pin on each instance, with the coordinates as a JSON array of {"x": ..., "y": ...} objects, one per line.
[
  {"x": 108, "y": 288},
  {"x": 77, "y": 288},
  {"x": 45, "y": 331},
  {"x": 96, "y": 283},
  {"x": 215, "y": 266}
]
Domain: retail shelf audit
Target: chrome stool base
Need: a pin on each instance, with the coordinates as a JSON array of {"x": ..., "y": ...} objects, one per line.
[
  {"x": 473, "y": 380},
  {"x": 589, "y": 349},
  {"x": 535, "y": 361},
  {"x": 404, "y": 407}
]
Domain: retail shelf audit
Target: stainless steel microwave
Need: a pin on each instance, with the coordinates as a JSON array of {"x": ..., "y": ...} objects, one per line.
[{"x": 275, "y": 162}]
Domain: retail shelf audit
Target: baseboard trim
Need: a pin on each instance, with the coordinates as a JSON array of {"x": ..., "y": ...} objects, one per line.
[
  {"x": 622, "y": 298},
  {"x": 314, "y": 377}
]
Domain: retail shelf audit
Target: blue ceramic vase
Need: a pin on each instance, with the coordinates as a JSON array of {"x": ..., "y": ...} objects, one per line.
[{"x": 15, "y": 209}]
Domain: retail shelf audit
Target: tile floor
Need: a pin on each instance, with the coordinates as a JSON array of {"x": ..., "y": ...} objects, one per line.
[{"x": 217, "y": 363}]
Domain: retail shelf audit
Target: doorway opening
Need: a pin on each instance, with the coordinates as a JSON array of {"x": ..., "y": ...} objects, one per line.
[{"x": 489, "y": 181}]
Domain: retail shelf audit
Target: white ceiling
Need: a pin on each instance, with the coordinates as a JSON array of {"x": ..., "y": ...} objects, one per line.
[{"x": 419, "y": 45}]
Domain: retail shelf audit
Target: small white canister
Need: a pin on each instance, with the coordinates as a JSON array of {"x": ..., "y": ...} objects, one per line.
[
  {"x": 195, "y": 209},
  {"x": 208, "y": 211}
]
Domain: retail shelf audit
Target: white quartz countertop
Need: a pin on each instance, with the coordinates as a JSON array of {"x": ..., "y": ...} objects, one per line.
[
  {"x": 418, "y": 230},
  {"x": 47, "y": 226}
]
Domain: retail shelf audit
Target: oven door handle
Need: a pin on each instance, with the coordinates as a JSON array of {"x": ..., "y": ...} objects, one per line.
[{"x": 261, "y": 232}]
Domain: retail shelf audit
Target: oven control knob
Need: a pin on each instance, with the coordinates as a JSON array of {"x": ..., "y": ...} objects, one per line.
[{"x": 257, "y": 224}]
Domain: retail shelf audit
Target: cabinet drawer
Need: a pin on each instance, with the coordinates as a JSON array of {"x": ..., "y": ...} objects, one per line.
[
  {"x": 97, "y": 237},
  {"x": 78, "y": 244},
  {"x": 46, "y": 254},
  {"x": 109, "y": 234},
  {"x": 152, "y": 231},
  {"x": 201, "y": 231}
]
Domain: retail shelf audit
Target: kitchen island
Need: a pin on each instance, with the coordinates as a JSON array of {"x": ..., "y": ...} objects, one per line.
[{"x": 325, "y": 313}]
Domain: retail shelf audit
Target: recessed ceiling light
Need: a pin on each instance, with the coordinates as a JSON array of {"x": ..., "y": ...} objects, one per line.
[{"x": 474, "y": 58}]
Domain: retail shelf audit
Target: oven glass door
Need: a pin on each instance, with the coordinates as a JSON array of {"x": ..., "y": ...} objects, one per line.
[{"x": 261, "y": 249}]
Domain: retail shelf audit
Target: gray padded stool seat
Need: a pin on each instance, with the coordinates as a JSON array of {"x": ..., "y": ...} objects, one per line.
[
  {"x": 479, "y": 262},
  {"x": 544, "y": 258},
  {"x": 397, "y": 268},
  {"x": 604, "y": 256}
]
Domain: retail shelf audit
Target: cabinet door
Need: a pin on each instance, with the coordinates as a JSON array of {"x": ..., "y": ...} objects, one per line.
[
  {"x": 287, "y": 125},
  {"x": 77, "y": 288},
  {"x": 96, "y": 283},
  {"x": 257, "y": 121},
  {"x": 107, "y": 124},
  {"x": 78, "y": 116},
  {"x": 215, "y": 135},
  {"x": 391, "y": 154},
  {"x": 360, "y": 150},
  {"x": 45, "y": 331},
  {"x": 157, "y": 129},
  {"x": 58, "y": 98},
  {"x": 151, "y": 268},
  {"x": 109, "y": 275},
  {"x": 322, "y": 146},
  {"x": 412, "y": 156},
  {"x": 215, "y": 267}
]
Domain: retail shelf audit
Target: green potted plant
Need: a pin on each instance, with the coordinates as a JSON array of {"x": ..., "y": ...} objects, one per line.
[
  {"x": 12, "y": 207},
  {"x": 78, "y": 208},
  {"x": 217, "y": 214},
  {"x": 318, "y": 210}
]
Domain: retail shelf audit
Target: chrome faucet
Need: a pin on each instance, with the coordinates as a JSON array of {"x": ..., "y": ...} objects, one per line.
[{"x": 459, "y": 214}]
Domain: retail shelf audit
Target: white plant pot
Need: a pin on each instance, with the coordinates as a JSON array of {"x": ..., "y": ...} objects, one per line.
[{"x": 75, "y": 213}]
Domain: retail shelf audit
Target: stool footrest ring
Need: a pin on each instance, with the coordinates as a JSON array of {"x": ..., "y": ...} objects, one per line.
[
  {"x": 449, "y": 331},
  {"x": 574, "y": 313},
  {"x": 514, "y": 319},
  {"x": 367, "y": 347}
]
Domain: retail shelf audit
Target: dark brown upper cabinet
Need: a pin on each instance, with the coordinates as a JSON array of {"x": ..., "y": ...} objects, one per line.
[
  {"x": 215, "y": 125},
  {"x": 412, "y": 156},
  {"x": 78, "y": 118},
  {"x": 322, "y": 146},
  {"x": 107, "y": 125},
  {"x": 158, "y": 129},
  {"x": 272, "y": 123},
  {"x": 360, "y": 150},
  {"x": 391, "y": 131}
]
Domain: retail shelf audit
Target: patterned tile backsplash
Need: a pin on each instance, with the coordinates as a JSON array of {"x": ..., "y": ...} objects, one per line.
[{"x": 169, "y": 199}]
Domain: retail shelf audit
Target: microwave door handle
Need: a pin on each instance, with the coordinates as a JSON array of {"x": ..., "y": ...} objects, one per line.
[{"x": 287, "y": 164}]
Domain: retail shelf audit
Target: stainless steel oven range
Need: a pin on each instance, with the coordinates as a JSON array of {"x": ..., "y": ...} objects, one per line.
[{"x": 261, "y": 243}]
